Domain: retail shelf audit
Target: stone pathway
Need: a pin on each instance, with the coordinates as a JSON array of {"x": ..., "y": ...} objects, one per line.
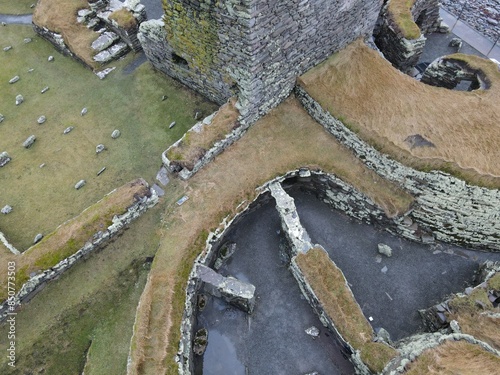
[{"x": 23, "y": 19}]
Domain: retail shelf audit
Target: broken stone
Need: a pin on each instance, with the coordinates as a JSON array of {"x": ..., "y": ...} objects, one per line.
[
  {"x": 80, "y": 184},
  {"x": 312, "y": 331},
  {"x": 29, "y": 141},
  {"x": 2, "y": 117},
  {"x": 4, "y": 158},
  {"x": 27, "y": 40},
  {"x": 6, "y": 209},
  {"x": 384, "y": 250},
  {"x": 19, "y": 99},
  {"x": 200, "y": 341},
  {"x": 8, "y": 48},
  {"x": 45, "y": 89},
  {"x": 84, "y": 111},
  {"x": 14, "y": 79},
  {"x": 41, "y": 120},
  {"x": 384, "y": 270},
  {"x": 104, "y": 40},
  {"x": 51, "y": 58},
  {"x": 171, "y": 125},
  {"x": 116, "y": 133},
  {"x": 68, "y": 129},
  {"x": 454, "y": 326},
  {"x": 100, "y": 148},
  {"x": 101, "y": 171},
  {"x": 383, "y": 336},
  {"x": 38, "y": 238},
  {"x": 103, "y": 73}
]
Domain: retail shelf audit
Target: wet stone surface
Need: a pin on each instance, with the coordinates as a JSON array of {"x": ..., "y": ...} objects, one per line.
[
  {"x": 273, "y": 339},
  {"x": 416, "y": 276}
]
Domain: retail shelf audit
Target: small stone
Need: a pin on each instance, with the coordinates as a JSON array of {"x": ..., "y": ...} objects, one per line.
[
  {"x": 45, "y": 89},
  {"x": 29, "y": 141},
  {"x": 19, "y": 99},
  {"x": 42, "y": 165},
  {"x": 2, "y": 117},
  {"x": 312, "y": 331},
  {"x": 197, "y": 115},
  {"x": 100, "y": 148},
  {"x": 80, "y": 184},
  {"x": 6, "y": 209},
  {"x": 455, "y": 327},
  {"x": 84, "y": 111},
  {"x": 456, "y": 42},
  {"x": 384, "y": 270},
  {"x": 182, "y": 200},
  {"x": 103, "y": 73},
  {"x": 68, "y": 129},
  {"x": 8, "y": 48},
  {"x": 492, "y": 21},
  {"x": 4, "y": 158},
  {"x": 4, "y": 24},
  {"x": 171, "y": 125},
  {"x": 41, "y": 120},
  {"x": 116, "y": 133},
  {"x": 27, "y": 40},
  {"x": 384, "y": 250},
  {"x": 14, "y": 79},
  {"x": 200, "y": 341},
  {"x": 378, "y": 258},
  {"x": 51, "y": 58},
  {"x": 164, "y": 97},
  {"x": 30, "y": 70},
  {"x": 32, "y": 6},
  {"x": 101, "y": 171},
  {"x": 38, "y": 238}
]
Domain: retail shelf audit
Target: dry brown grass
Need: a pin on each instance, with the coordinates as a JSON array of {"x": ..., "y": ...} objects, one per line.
[
  {"x": 455, "y": 357},
  {"x": 60, "y": 16},
  {"x": 330, "y": 286},
  {"x": 400, "y": 14},
  {"x": 384, "y": 107},
  {"x": 72, "y": 235},
  {"x": 194, "y": 145},
  {"x": 124, "y": 18},
  {"x": 284, "y": 140}
]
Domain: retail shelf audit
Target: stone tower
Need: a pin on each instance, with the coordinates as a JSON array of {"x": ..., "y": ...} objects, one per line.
[{"x": 253, "y": 48}]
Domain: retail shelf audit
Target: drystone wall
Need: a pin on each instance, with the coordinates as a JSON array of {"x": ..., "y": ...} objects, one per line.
[
  {"x": 401, "y": 51},
  {"x": 449, "y": 72},
  {"x": 446, "y": 208},
  {"x": 255, "y": 48},
  {"x": 35, "y": 283}
]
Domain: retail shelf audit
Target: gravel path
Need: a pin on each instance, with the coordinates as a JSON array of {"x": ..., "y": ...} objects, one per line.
[{"x": 482, "y": 15}]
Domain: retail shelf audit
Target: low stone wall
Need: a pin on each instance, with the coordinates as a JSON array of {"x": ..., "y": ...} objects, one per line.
[
  {"x": 8, "y": 245},
  {"x": 210, "y": 154},
  {"x": 37, "y": 282},
  {"x": 445, "y": 209}
]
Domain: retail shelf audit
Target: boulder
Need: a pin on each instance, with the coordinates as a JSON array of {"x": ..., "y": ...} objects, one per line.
[
  {"x": 84, "y": 111},
  {"x": 68, "y": 129},
  {"x": 384, "y": 250},
  {"x": 6, "y": 209},
  {"x": 14, "y": 79},
  {"x": 29, "y": 141},
  {"x": 4, "y": 158},
  {"x": 8, "y": 48},
  {"x": 80, "y": 184},
  {"x": 19, "y": 99},
  {"x": 116, "y": 133},
  {"x": 100, "y": 148},
  {"x": 41, "y": 120}
]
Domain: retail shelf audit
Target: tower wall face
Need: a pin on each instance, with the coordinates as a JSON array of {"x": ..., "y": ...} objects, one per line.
[{"x": 255, "y": 48}]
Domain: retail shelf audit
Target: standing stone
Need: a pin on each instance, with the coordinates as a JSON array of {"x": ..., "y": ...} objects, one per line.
[
  {"x": 51, "y": 58},
  {"x": 19, "y": 99},
  {"x": 38, "y": 238},
  {"x": 84, "y": 111},
  {"x": 100, "y": 148},
  {"x": 41, "y": 120},
  {"x": 116, "y": 133},
  {"x": 384, "y": 250},
  {"x": 14, "y": 79},
  {"x": 80, "y": 184},
  {"x": 6, "y": 210},
  {"x": 4, "y": 158},
  {"x": 29, "y": 141},
  {"x": 2, "y": 117}
]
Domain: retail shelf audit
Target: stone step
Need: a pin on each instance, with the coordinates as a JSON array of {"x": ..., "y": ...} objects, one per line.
[
  {"x": 105, "y": 40},
  {"x": 112, "y": 53}
]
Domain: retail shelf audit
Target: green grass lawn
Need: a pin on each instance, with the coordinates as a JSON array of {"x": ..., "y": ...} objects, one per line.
[
  {"x": 43, "y": 198},
  {"x": 16, "y": 6}
]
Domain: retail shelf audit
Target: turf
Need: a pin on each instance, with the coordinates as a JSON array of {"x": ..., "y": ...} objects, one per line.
[
  {"x": 43, "y": 198},
  {"x": 16, "y": 6}
]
